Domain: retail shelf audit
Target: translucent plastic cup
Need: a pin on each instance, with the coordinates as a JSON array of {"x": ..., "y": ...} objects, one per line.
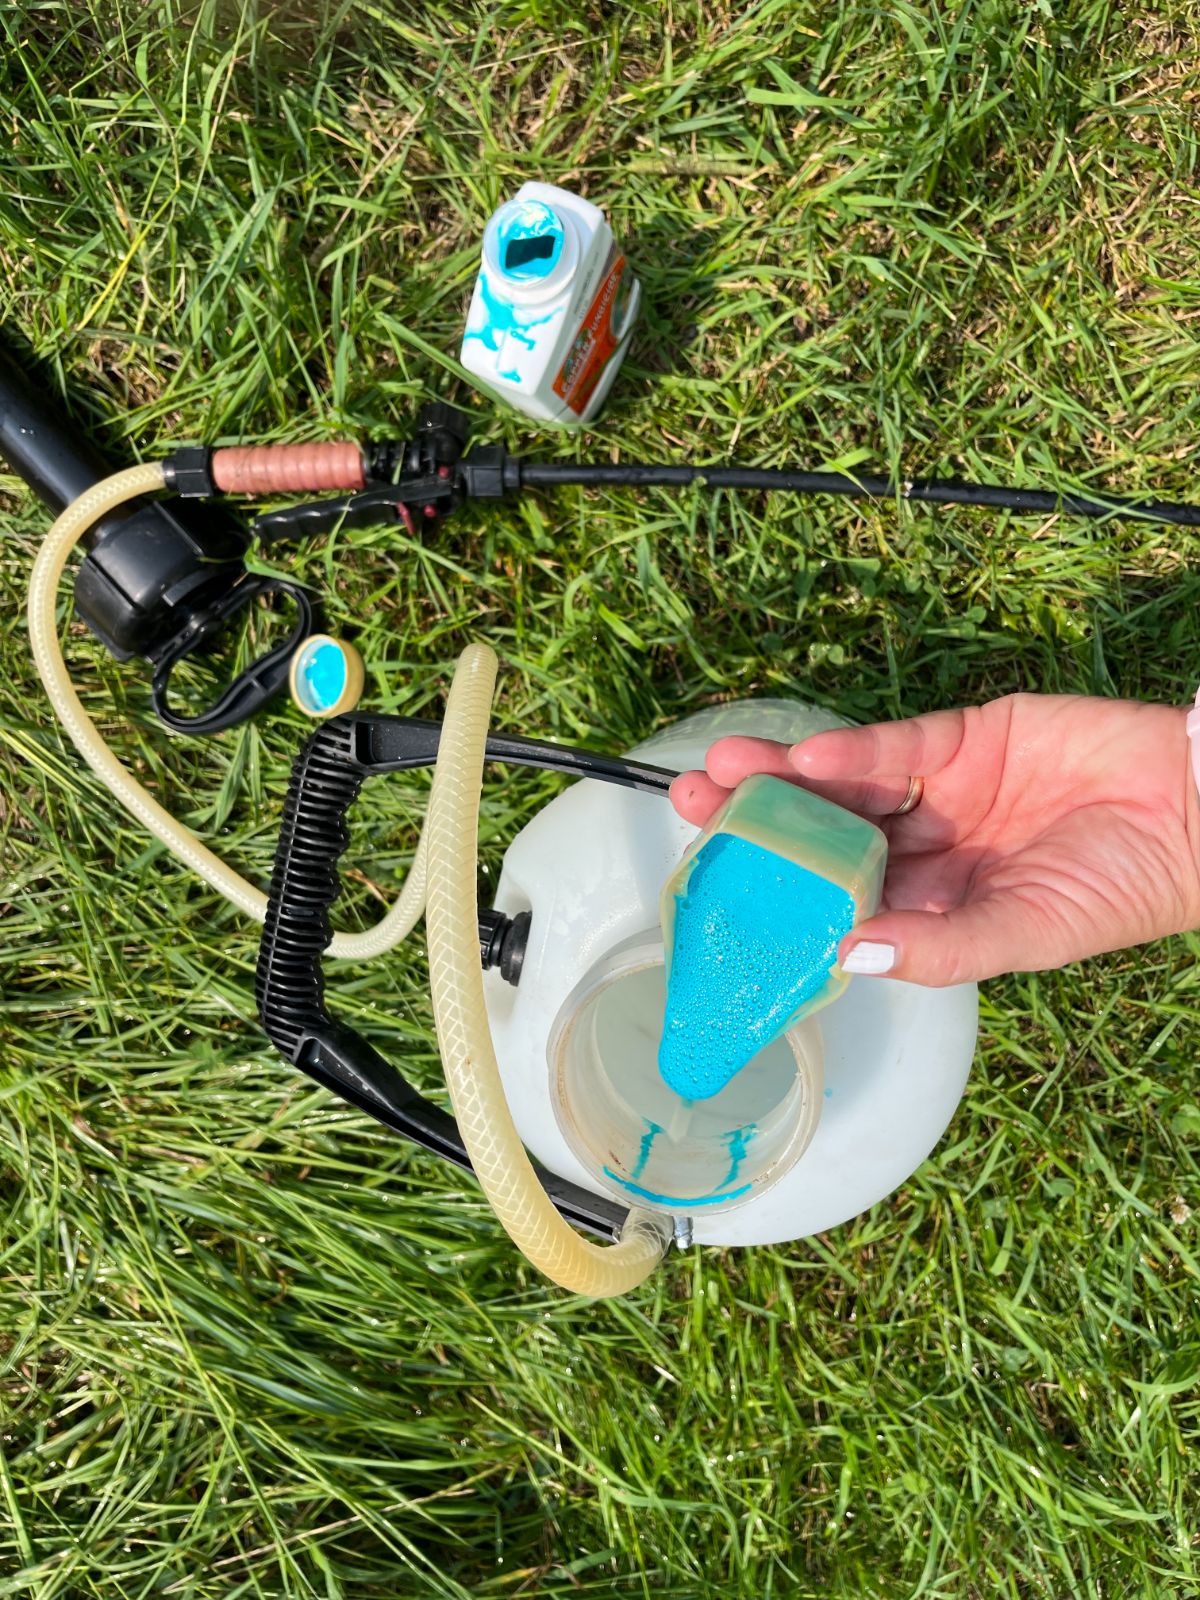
[{"x": 640, "y": 1140}]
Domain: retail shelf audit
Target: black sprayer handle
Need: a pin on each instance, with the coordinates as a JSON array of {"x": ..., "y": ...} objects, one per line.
[
  {"x": 290, "y": 983},
  {"x": 259, "y": 683}
]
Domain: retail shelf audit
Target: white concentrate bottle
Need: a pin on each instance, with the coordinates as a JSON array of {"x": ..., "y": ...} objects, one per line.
[{"x": 553, "y": 306}]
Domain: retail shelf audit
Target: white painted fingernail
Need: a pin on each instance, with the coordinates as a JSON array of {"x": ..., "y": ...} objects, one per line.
[{"x": 869, "y": 960}]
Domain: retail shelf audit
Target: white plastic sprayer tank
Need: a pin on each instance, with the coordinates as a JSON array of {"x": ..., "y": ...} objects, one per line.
[{"x": 877, "y": 1075}]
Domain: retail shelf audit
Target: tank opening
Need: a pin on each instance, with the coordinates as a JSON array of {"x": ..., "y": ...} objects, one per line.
[
  {"x": 519, "y": 253},
  {"x": 638, "y": 1137}
]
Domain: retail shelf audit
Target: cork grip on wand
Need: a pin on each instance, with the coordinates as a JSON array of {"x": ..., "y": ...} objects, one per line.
[{"x": 288, "y": 468}]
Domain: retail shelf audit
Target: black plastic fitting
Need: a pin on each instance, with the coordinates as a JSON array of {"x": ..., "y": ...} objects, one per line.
[
  {"x": 503, "y": 941},
  {"x": 188, "y": 471},
  {"x": 488, "y": 472}
]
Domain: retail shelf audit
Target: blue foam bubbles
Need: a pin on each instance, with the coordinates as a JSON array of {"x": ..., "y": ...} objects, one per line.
[{"x": 755, "y": 937}]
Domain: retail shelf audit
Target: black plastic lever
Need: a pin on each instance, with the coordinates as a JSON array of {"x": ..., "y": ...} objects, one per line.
[
  {"x": 415, "y": 501},
  {"x": 289, "y": 980},
  {"x": 254, "y": 687},
  {"x": 401, "y": 744}
]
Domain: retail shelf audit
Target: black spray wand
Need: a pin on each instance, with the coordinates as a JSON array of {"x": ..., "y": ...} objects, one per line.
[{"x": 165, "y": 578}]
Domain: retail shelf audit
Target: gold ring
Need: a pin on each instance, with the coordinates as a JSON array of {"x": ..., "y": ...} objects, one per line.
[{"x": 916, "y": 788}]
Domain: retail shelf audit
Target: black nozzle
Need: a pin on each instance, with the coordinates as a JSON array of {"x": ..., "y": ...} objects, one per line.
[{"x": 149, "y": 566}]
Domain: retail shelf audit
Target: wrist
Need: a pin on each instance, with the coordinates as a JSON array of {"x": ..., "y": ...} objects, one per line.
[{"x": 1192, "y": 727}]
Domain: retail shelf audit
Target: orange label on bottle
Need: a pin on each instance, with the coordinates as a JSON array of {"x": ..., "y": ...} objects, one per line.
[{"x": 594, "y": 343}]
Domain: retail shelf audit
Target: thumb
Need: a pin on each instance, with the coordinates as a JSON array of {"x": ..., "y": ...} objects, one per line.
[{"x": 965, "y": 945}]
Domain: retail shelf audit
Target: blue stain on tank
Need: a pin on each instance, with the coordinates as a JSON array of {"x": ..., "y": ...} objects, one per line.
[
  {"x": 679, "y": 1202},
  {"x": 647, "y": 1144},
  {"x": 755, "y": 938},
  {"x": 737, "y": 1143}
]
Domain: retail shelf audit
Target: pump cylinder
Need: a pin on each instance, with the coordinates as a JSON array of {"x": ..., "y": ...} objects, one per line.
[{"x": 48, "y": 452}]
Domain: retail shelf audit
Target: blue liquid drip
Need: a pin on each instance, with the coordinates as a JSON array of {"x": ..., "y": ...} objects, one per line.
[
  {"x": 502, "y": 322},
  {"x": 737, "y": 1142},
  {"x": 322, "y": 677},
  {"x": 755, "y": 937},
  {"x": 652, "y": 1132},
  {"x": 682, "y": 1202}
]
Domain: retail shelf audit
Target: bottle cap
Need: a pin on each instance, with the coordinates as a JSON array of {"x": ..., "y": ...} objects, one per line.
[{"x": 326, "y": 677}]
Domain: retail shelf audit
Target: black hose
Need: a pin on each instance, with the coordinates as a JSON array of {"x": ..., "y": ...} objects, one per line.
[{"x": 1040, "y": 502}]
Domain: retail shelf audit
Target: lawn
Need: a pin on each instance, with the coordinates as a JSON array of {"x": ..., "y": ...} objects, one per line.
[{"x": 251, "y": 1345}]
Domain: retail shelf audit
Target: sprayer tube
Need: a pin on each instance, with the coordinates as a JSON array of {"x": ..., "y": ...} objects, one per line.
[
  {"x": 83, "y": 512},
  {"x": 1041, "y": 502},
  {"x": 504, "y": 1170}
]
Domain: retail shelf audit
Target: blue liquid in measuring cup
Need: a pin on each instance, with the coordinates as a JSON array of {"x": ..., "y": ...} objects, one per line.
[{"x": 755, "y": 937}]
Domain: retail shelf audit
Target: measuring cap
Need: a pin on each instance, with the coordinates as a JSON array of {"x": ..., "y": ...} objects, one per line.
[{"x": 326, "y": 677}]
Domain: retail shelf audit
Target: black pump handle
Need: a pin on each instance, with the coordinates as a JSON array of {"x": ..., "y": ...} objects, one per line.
[{"x": 289, "y": 980}]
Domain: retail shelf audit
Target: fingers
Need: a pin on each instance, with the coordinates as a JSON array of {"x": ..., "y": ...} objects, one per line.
[
  {"x": 916, "y": 747},
  {"x": 865, "y": 769},
  {"x": 696, "y": 797},
  {"x": 734, "y": 759},
  {"x": 731, "y": 760},
  {"x": 964, "y": 945}
]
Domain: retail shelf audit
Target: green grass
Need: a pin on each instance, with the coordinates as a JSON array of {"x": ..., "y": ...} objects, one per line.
[{"x": 249, "y": 1344}]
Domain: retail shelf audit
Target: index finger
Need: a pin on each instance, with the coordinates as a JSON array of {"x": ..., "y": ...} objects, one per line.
[{"x": 918, "y": 747}]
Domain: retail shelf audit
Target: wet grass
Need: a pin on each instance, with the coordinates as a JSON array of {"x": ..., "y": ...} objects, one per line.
[{"x": 249, "y": 1345}]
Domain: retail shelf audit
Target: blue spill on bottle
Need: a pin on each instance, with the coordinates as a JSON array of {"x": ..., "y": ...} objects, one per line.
[
  {"x": 754, "y": 940},
  {"x": 503, "y": 321}
]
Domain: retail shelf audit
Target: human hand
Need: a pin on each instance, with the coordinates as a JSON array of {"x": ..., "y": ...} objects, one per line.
[{"x": 1051, "y": 827}]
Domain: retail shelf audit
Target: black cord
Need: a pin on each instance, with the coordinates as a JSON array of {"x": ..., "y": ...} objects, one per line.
[{"x": 1040, "y": 502}]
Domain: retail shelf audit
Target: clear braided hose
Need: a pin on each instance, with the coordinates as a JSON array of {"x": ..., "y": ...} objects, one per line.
[
  {"x": 464, "y": 1035},
  {"x": 82, "y": 514},
  {"x": 456, "y": 978}
]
